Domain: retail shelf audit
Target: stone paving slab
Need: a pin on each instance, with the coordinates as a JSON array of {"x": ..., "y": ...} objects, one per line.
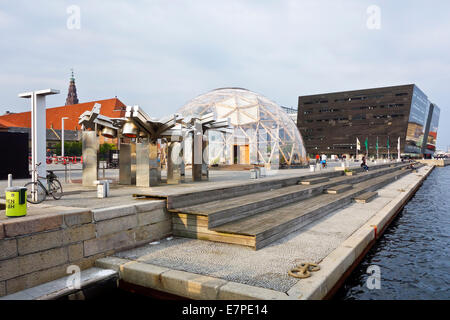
[{"x": 267, "y": 268}]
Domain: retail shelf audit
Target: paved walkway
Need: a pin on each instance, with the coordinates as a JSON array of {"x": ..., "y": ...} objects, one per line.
[{"x": 85, "y": 197}]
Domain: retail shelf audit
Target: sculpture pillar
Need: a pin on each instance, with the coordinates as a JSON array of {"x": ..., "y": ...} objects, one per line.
[
  {"x": 197, "y": 152},
  {"x": 155, "y": 165},
  {"x": 174, "y": 162},
  {"x": 127, "y": 163},
  {"x": 143, "y": 164},
  {"x": 205, "y": 157},
  {"x": 90, "y": 146}
]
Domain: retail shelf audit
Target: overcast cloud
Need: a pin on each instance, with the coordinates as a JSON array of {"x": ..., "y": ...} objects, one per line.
[{"x": 160, "y": 54}]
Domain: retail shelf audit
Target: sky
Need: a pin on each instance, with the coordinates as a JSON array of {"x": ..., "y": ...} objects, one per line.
[{"x": 161, "y": 54}]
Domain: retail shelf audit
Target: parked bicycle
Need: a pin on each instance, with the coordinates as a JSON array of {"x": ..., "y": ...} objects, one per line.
[{"x": 54, "y": 187}]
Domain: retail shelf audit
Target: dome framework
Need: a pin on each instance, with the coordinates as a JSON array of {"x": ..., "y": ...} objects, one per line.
[{"x": 262, "y": 132}]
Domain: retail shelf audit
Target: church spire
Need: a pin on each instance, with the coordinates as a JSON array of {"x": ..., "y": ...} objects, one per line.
[{"x": 72, "y": 94}]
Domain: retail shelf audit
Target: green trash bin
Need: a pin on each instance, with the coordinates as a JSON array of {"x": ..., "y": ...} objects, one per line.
[{"x": 16, "y": 201}]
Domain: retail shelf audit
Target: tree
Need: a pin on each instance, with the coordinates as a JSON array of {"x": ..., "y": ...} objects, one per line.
[
  {"x": 104, "y": 150},
  {"x": 71, "y": 148}
]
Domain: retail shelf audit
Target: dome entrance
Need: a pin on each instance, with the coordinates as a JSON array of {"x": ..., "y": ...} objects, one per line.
[{"x": 262, "y": 131}]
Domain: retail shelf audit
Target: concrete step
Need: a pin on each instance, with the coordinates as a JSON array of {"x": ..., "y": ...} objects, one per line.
[
  {"x": 368, "y": 196},
  {"x": 338, "y": 189},
  {"x": 225, "y": 211},
  {"x": 261, "y": 229}
]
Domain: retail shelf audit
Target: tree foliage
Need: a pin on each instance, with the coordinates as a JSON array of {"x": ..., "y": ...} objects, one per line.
[{"x": 71, "y": 148}]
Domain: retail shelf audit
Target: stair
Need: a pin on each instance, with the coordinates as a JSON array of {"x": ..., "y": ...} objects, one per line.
[
  {"x": 257, "y": 219},
  {"x": 314, "y": 181},
  {"x": 339, "y": 189},
  {"x": 270, "y": 226},
  {"x": 227, "y": 210},
  {"x": 367, "y": 197}
]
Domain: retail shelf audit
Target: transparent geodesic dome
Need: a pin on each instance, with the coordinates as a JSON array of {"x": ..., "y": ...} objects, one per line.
[{"x": 262, "y": 132}]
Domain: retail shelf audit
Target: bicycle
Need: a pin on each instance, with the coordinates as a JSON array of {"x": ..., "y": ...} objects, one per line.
[{"x": 54, "y": 187}]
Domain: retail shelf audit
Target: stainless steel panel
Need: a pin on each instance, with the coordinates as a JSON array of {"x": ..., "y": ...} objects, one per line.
[
  {"x": 90, "y": 148},
  {"x": 155, "y": 165},
  {"x": 148, "y": 168},
  {"x": 142, "y": 164},
  {"x": 174, "y": 161},
  {"x": 205, "y": 153},
  {"x": 127, "y": 164}
]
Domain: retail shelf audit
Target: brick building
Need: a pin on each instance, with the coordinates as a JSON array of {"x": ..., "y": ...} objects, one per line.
[{"x": 21, "y": 122}]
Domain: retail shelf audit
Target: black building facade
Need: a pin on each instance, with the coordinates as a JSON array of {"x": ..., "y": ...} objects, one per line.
[{"x": 332, "y": 123}]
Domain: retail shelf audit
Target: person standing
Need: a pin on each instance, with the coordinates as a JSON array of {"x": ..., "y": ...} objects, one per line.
[
  {"x": 317, "y": 158},
  {"x": 324, "y": 160}
]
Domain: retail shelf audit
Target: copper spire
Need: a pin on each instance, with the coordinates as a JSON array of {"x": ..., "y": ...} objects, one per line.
[{"x": 72, "y": 94}]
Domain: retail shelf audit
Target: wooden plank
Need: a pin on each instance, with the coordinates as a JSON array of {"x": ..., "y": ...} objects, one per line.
[
  {"x": 187, "y": 215},
  {"x": 366, "y": 197},
  {"x": 339, "y": 189},
  {"x": 250, "y": 241},
  {"x": 314, "y": 181},
  {"x": 199, "y": 229},
  {"x": 190, "y": 221}
]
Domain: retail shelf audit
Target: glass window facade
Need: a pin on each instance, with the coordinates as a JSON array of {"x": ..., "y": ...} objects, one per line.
[
  {"x": 432, "y": 133},
  {"x": 262, "y": 132},
  {"x": 417, "y": 122},
  {"x": 330, "y": 123}
]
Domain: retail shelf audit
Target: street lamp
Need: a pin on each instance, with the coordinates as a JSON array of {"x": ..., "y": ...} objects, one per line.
[
  {"x": 38, "y": 132},
  {"x": 62, "y": 135}
]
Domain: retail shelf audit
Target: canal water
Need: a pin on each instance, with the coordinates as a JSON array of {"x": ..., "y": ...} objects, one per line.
[{"x": 413, "y": 255}]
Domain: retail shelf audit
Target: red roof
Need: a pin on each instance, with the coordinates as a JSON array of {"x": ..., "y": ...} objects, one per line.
[{"x": 113, "y": 108}]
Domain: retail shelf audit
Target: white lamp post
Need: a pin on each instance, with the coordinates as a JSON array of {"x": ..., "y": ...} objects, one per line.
[
  {"x": 62, "y": 136},
  {"x": 38, "y": 130}
]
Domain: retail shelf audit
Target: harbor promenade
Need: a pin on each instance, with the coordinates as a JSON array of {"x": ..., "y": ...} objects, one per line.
[{"x": 142, "y": 241}]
